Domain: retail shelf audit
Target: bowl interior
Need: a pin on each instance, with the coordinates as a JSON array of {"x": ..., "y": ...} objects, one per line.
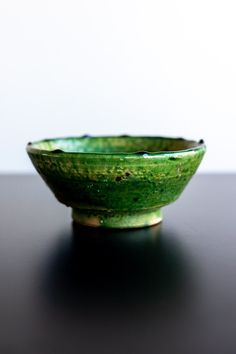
[{"x": 120, "y": 144}]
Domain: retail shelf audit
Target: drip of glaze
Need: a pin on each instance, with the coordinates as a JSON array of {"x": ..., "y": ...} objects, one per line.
[{"x": 57, "y": 151}]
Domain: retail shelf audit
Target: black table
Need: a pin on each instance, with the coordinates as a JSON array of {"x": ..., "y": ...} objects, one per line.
[{"x": 165, "y": 289}]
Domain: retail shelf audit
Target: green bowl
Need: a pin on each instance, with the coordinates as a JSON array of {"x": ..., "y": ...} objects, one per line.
[{"x": 116, "y": 181}]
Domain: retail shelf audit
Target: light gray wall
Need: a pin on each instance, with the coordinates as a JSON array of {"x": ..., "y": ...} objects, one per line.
[{"x": 111, "y": 67}]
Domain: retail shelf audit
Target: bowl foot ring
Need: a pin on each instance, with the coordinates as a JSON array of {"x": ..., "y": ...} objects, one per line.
[{"x": 117, "y": 219}]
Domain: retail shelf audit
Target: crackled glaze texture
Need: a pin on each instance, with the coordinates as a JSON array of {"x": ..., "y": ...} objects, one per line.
[{"x": 116, "y": 181}]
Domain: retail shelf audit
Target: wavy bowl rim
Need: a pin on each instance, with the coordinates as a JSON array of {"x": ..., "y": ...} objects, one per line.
[{"x": 199, "y": 145}]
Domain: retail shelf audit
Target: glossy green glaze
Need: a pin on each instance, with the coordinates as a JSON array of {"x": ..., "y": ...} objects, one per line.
[{"x": 116, "y": 182}]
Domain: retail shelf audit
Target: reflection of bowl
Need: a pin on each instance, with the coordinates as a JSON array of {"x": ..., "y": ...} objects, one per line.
[
  {"x": 118, "y": 181},
  {"x": 83, "y": 272}
]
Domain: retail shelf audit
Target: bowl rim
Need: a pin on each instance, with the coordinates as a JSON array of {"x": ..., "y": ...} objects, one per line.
[{"x": 197, "y": 145}]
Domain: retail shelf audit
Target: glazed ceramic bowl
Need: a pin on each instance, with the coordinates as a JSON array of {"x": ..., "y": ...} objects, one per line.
[{"x": 117, "y": 181}]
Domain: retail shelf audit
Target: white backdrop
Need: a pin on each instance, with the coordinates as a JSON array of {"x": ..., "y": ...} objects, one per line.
[{"x": 116, "y": 67}]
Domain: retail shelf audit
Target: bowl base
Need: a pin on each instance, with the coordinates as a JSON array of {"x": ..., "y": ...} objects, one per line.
[{"x": 117, "y": 219}]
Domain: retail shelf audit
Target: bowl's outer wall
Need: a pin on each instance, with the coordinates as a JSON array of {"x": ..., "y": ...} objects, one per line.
[{"x": 124, "y": 183}]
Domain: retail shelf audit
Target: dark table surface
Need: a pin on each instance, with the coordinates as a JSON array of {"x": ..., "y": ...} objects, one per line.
[{"x": 166, "y": 289}]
